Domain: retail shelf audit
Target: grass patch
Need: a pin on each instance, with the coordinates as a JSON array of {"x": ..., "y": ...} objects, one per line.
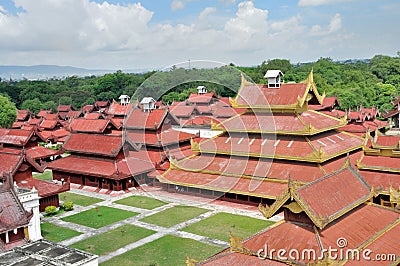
[
  {"x": 105, "y": 243},
  {"x": 99, "y": 216},
  {"x": 57, "y": 233},
  {"x": 219, "y": 225},
  {"x": 46, "y": 175},
  {"x": 78, "y": 199},
  {"x": 168, "y": 250},
  {"x": 141, "y": 202},
  {"x": 174, "y": 215}
]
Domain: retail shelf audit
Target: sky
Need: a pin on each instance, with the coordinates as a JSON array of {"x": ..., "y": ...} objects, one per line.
[{"x": 153, "y": 34}]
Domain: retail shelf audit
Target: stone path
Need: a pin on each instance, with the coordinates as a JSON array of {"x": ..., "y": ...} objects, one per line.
[{"x": 174, "y": 200}]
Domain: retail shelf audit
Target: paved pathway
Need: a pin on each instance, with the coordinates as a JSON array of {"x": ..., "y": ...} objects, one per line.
[{"x": 214, "y": 207}]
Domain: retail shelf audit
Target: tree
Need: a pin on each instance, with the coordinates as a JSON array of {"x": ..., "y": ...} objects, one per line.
[
  {"x": 8, "y": 112},
  {"x": 32, "y": 105}
]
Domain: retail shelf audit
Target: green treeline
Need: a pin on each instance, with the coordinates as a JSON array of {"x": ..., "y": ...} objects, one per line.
[{"x": 369, "y": 83}]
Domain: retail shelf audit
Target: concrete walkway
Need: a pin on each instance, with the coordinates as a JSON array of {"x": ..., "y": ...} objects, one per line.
[{"x": 173, "y": 200}]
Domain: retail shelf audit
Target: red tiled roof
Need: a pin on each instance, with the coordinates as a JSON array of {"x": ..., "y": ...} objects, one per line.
[
  {"x": 180, "y": 153},
  {"x": 118, "y": 109},
  {"x": 164, "y": 138},
  {"x": 89, "y": 126},
  {"x": 139, "y": 119},
  {"x": 13, "y": 214},
  {"x": 261, "y": 95},
  {"x": 44, "y": 188},
  {"x": 18, "y": 124},
  {"x": 92, "y": 116},
  {"x": 197, "y": 121},
  {"x": 117, "y": 122},
  {"x": 201, "y": 98},
  {"x": 34, "y": 121},
  {"x": 87, "y": 108},
  {"x": 134, "y": 166},
  {"x": 102, "y": 104},
  {"x": 338, "y": 162},
  {"x": 298, "y": 148},
  {"x": 333, "y": 194},
  {"x": 9, "y": 161},
  {"x": 244, "y": 186},
  {"x": 51, "y": 117},
  {"x": 83, "y": 165},
  {"x": 334, "y": 113},
  {"x": 43, "y": 113},
  {"x": 39, "y": 152},
  {"x": 387, "y": 141},
  {"x": 281, "y": 122},
  {"x": 234, "y": 258},
  {"x": 182, "y": 110},
  {"x": 74, "y": 114},
  {"x": 357, "y": 227},
  {"x": 102, "y": 168},
  {"x": 263, "y": 168},
  {"x": 204, "y": 109},
  {"x": 380, "y": 163},
  {"x": 226, "y": 111},
  {"x": 154, "y": 156},
  {"x": 22, "y": 115},
  {"x": 17, "y": 137},
  {"x": 383, "y": 180},
  {"x": 94, "y": 144},
  {"x": 48, "y": 124},
  {"x": 64, "y": 108}
]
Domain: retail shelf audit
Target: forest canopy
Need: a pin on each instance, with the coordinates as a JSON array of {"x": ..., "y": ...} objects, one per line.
[{"x": 369, "y": 83}]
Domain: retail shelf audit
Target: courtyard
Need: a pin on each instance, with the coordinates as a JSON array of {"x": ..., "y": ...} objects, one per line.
[{"x": 157, "y": 228}]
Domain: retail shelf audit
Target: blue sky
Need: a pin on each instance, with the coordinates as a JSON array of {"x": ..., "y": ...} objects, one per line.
[{"x": 126, "y": 34}]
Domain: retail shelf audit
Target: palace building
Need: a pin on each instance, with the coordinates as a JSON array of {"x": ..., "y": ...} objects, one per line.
[{"x": 274, "y": 139}]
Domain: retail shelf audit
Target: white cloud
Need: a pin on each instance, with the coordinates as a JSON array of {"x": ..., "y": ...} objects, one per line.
[
  {"x": 320, "y": 2},
  {"x": 207, "y": 11},
  {"x": 334, "y": 25},
  {"x": 177, "y": 4},
  {"x": 3, "y": 10}
]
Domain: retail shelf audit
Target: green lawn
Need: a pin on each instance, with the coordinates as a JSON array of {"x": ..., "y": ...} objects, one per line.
[
  {"x": 168, "y": 250},
  {"x": 219, "y": 225},
  {"x": 174, "y": 215},
  {"x": 56, "y": 233},
  {"x": 141, "y": 202},
  {"x": 112, "y": 240},
  {"x": 99, "y": 216},
  {"x": 46, "y": 175},
  {"x": 78, "y": 199}
]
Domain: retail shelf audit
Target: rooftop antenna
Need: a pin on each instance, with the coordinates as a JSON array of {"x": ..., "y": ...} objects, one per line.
[{"x": 189, "y": 63}]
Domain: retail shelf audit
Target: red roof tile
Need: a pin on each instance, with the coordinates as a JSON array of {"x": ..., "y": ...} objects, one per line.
[
  {"x": 333, "y": 194},
  {"x": 139, "y": 119},
  {"x": 17, "y": 137},
  {"x": 201, "y": 98},
  {"x": 261, "y": 95},
  {"x": 164, "y": 138},
  {"x": 12, "y": 214},
  {"x": 387, "y": 141},
  {"x": 9, "y": 161},
  {"x": 245, "y": 186},
  {"x": 154, "y": 156},
  {"x": 381, "y": 179},
  {"x": 22, "y": 115},
  {"x": 357, "y": 228},
  {"x": 48, "y": 124},
  {"x": 17, "y": 124},
  {"x": 334, "y": 113},
  {"x": 34, "y": 121},
  {"x": 118, "y": 109},
  {"x": 117, "y": 122},
  {"x": 263, "y": 168},
  {"x": 380, "y": 163},
  {"x": 44, "y": 188},
  {"x": 102, "y": 104},
  {"x": 92, "y": 116},
  {"x": 182, "y": 110},
  {"x": 297, "y": 148},
  {"x": 134, "y": 166},
  {"x": 39, "y": 152},
  {"x": 204, "y": 109},
  {"x": 94, "y": 144},
  {"x": 89, "y": 126},
  {"x": 51, "y": 117},
  {"x": 281, "y": 123},
  {"x": 74, "y": 114},
  {"x": 43, "y": 113},
  {"x": 87, "y": 108},
  {"x": 64, "y": 108}
]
